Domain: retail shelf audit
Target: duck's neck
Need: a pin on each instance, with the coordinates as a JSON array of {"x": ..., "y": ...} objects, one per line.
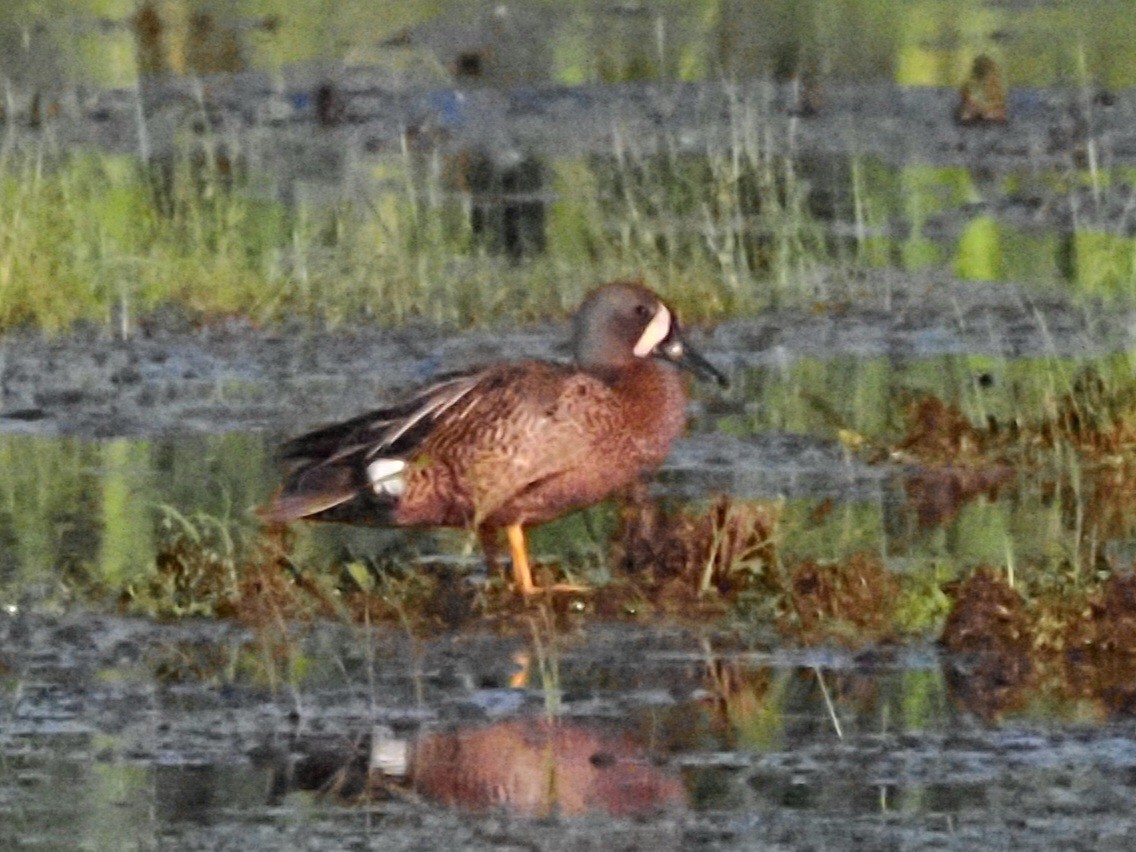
[{"x": 654, "y": 402}]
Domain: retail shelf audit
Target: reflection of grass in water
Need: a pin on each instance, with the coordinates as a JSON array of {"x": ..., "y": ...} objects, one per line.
[
  {"x": 546, "y": 647},
  {"x": 1066, "y": 515},
  {"x": 197, "y": 566},
  {"x": 865, "y": 403},
  {"x": 83, "y": 236},
  {"x": 71, "y": 516}
]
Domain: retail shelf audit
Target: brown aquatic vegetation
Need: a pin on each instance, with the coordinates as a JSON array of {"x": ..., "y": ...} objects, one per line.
[
  {"x": 683, "y": 554},
  {"x": 989, "y": 636},
  {"x": 675, "y": 558},
  {"x": 1098, "y": 422},
  {"x": 198, "y": 567},
  {"x": 192, "y": 579},
  {"x": 271, "y": 594},
  {"x": 1101, "y": 652},
  {"x": 1111, "y": 623},
  {"x": 852, "y": 602},
  {"x": 274, "y": 600},
  {"x": 987, "y": 613},
  {"x": 1097, "y": 419},
  {"x": 938, "y": 432},
  {"x": 938, "y": 493},
  {"x": 954, "y": 466},
  {"x": 202, "y": 570},
  {"x": 1073, "y": 642},
  {"x": 423, "y": 598},
  {"x": 202, "y": 567}
]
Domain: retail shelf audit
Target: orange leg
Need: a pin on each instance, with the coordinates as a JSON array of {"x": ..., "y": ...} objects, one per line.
[{"x": 522, "y": 574}]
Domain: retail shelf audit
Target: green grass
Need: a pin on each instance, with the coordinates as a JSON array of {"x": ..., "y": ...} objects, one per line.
[
  {"x": 722, "y": 228},
  {"x": 108, "y": 239}
]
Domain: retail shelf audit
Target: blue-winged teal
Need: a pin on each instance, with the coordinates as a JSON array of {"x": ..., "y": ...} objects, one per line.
[{"x": 509, "y": 445}]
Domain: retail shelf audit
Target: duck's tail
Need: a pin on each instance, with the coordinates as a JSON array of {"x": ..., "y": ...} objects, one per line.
[{"x": 345, "y": 490}]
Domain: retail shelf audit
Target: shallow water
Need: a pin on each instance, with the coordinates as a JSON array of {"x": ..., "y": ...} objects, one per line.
[
  {"x": 104, "y": 507},
  {"x": 170, "y": 736}
]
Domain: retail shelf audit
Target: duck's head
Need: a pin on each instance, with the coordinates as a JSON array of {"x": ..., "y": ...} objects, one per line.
[{"x": 624, "y": 321}]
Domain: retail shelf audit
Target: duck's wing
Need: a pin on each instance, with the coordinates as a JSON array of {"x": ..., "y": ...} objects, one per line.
[
  {"x": 527, "y": 443},
  {"x": 396, "y": 430},
  {"x": 330, "y": 466}
]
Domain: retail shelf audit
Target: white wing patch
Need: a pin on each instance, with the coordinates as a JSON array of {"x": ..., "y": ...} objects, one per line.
[{"x": 386, "y": 476}]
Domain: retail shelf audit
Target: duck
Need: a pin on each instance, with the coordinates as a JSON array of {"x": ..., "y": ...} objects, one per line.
[{"x": 510, "y": 445}]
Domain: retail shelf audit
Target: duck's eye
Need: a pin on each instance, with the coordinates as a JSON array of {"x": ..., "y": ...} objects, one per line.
[{"x": 643, "y": 312}]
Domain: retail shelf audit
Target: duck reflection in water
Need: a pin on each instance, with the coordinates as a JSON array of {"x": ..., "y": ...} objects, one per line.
[{"x": 532, "y": 768}]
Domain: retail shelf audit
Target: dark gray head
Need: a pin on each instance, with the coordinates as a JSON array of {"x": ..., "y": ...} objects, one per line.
[{"x": 623, "y": 321}]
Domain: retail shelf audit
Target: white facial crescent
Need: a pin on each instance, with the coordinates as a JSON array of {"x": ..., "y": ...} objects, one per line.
[{"x": 655, "y": 332}]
